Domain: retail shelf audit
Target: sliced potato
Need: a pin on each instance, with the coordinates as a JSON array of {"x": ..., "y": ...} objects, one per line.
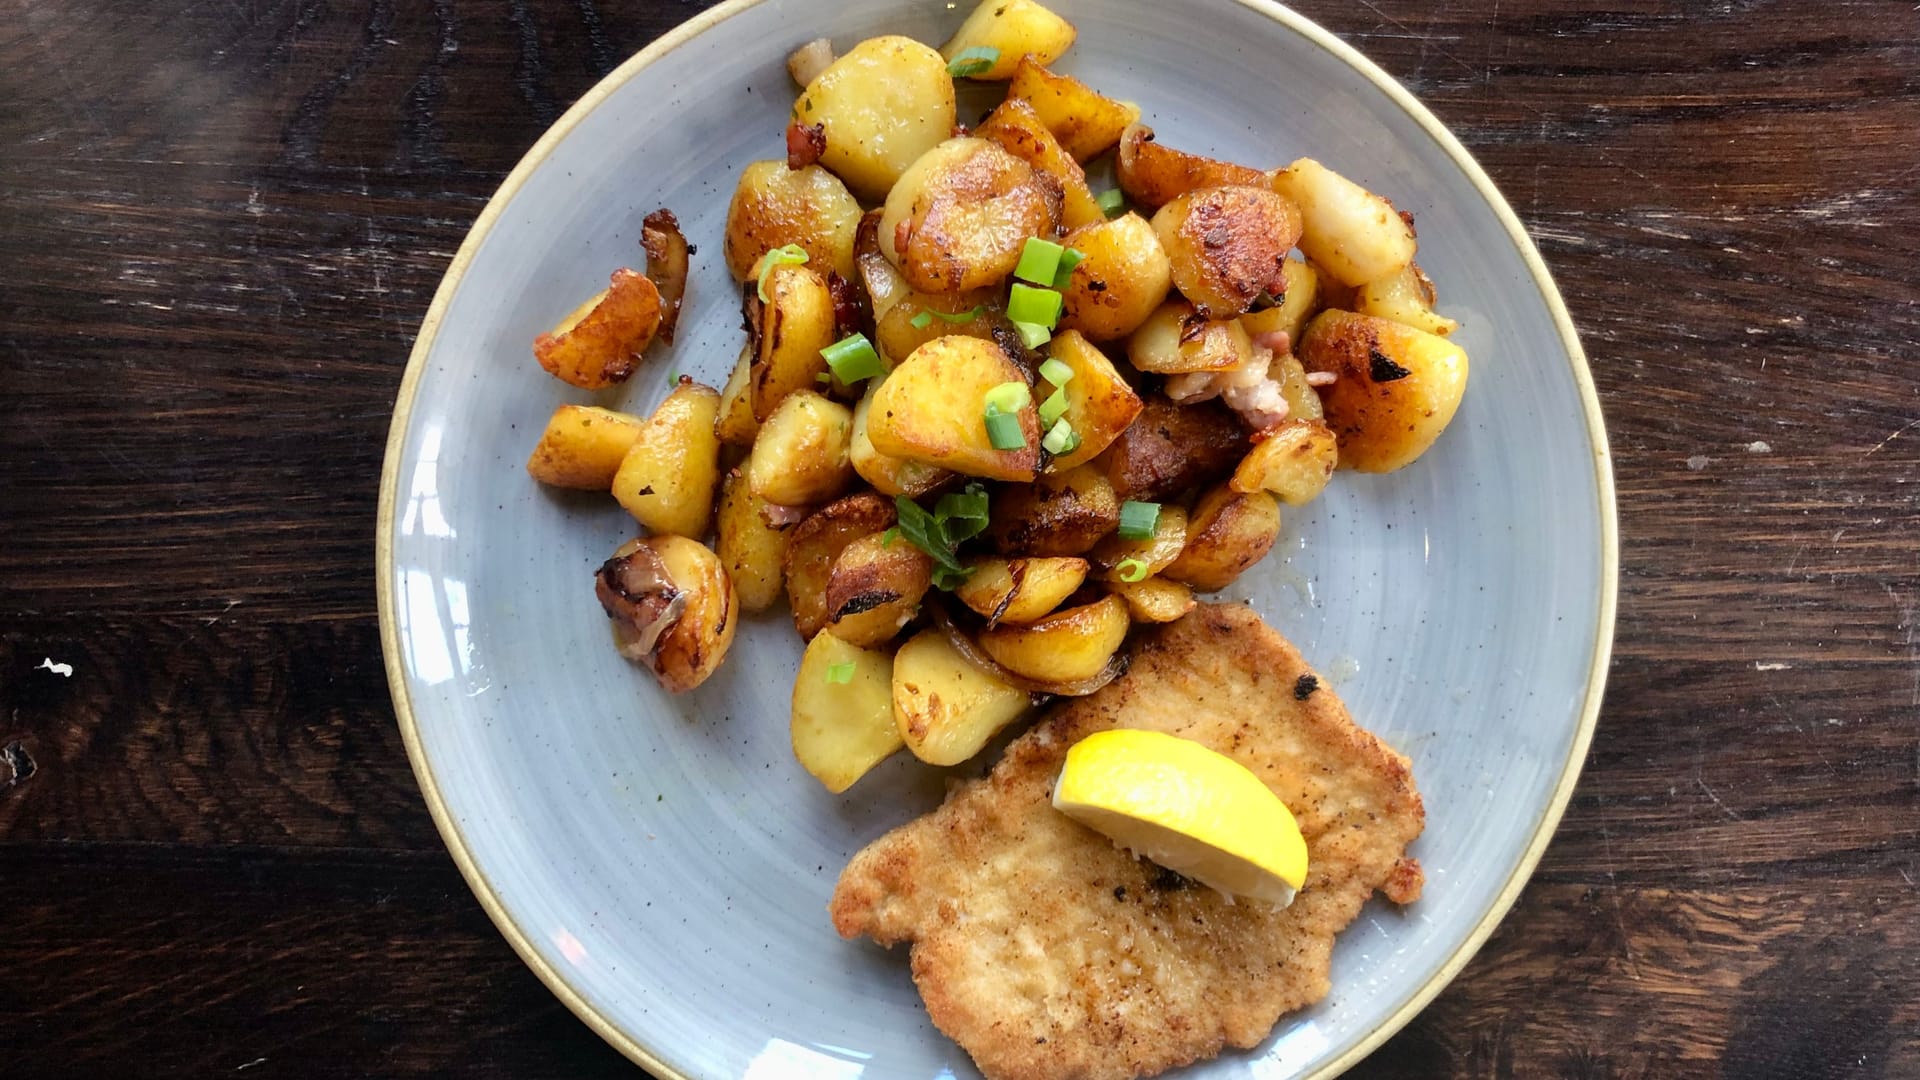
[
  {"x": 1152, "y": 554},
  {"x": 1293, "y": 461},
  {"x": 960, "y": 215},
  {"x": 1087, "y": 124},
  {"x": 884, "y": 282},
  {"x": 582, "y": 447},
  {"x": 1153, "y": 175},
  {"x": 842, "y": 722},
  {"x": 1016, "y": 128},
  {"x": 751, "y": 548},
  {"x": 1171, "y": 449},
  {"x": 1100, "y": 404},
  {"x": 1177, "y": 338},
  {"x": 1122, "y": 278},
  {"x": 800, "y": 456},
  {"x": 1299, "y": 302},
  {"x": 1406, "y": 297},
  {"x": 1348, "y": 231},
  {"x": 1066, "y": 646},
  {"x": 932, "y": 409},
  {"x": 1154, "y": 600},
  {"x": 1063, "y": 513},
  {"x": 795, "y": 323},
  {"x": 945, "y": 706},
  {"x": 667, "y": 479},
  {"x": 1013, "y": 29},
  {"x": 814, "y": 545},
  {"x": 1227, "y": 532},
  {"x": 736, "y": 425},
  {"x": 1303, "y": 401},
  {"x": 672, "y": 607},
  {"x": 600, "y": 342},
  {"x": 1396, "y": 391},
  {"x": 875, "y": 588},
  {"x": 888, "y": 475},
  {"x": 774, "y": 206},
  {"x": 1020, "y": 590},
  {"x": 883, "y": 104},
  {"x": 1227, "y": 246}
]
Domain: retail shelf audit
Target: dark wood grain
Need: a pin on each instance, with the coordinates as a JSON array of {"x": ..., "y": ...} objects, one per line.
[{"x": 221, "y": 222}]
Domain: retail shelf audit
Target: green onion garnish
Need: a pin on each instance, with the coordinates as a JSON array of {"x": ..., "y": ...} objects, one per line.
[
  {"x": 925, "y": 318},
  {"x": 970, "y": 62},
  {"x": 1039, "y": 261},
  {"x": 962, "y": 515},
  {"x": 921, "y": 321},
  {"x": 965, "y": 515},
  {"x": 1061, "y": 439},
  {"x": 823, "y": 378},
  {"x": 1003, "y": 430},
  {"x": 1009, "y": 397},
  {"x": 1052, "y": 409},
  {"x": 789, "y": 255},
  {"x": 1138, "y": 519},
  {"x": 1056, "y": 371},
  {"x": 840, "y": 673},
  {"x": 1112, "y": 201},
  {"x": 1069, "y": 258},
  {"x": 1033, "y": 334},
  {"x": 1027, "y": 304},
  {"x": 1131, "y": 570},
  {"x": 853, "y": 358}
]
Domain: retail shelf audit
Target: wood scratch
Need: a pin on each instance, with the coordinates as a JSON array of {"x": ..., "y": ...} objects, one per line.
[
  {"x": 1911, "y": 424},
  {"x": 1728, "y": 810}
]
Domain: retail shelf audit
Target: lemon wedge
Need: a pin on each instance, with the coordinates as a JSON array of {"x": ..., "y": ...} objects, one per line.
[{"x": 1188, "y": 808}]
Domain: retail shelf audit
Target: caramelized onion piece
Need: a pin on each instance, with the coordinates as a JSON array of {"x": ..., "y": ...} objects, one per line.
[
  {"x": 667, "y": 258},
  {"x": 641, "y": 599},
  {"x": 807, "y": 62}
]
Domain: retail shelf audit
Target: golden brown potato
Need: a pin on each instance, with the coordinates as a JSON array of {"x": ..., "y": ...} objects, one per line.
[
  {"x": 895, "y": 336},
  {"x": 1176, "y": 338},
  {"x": 800, "y": 456},
  {"x": 1064, "y": 647},
  {"x": 960, "y": 215},
  {"x": 1227, "y": 246},
  {"x": 795, "y": 323},
  {"x": 946, "y": 707},
  {"x": 1294, "y": 461},
  {"x": 1226, "y": 533},
  {"x": 932, "y": 409},
  {"x": 1148, "y": 556},
  {"x": 582, "y": 447},
  {"x": 1020, "y": 590},
  {"x": 1406, "y": 297},
  {"x": 814, "y": 545},
  {"x": 883, "y": 104},
  {"x": 1016, "y": 128},
  {"x": 750, "y": 547},
  {"x": 1348, "y": 231},
  {"x": 1100, "y": 404},
  {"x": 736, "y": 424},
  {"x": 1087, "y": 124},
  {"x": 1062, "y": 513},
  {"x": 842, "y": 722},
  {"x": 1154, "y": 600},
  {"x": 1171, "y": 449},
  {"x": 600, "y": 342},
  {"x": 1121, "y": 280},
  {"x": 1396, "y": 391},
  {"x": 885, "y": 284},
  {"x": 1013, "y": 29},
  {"x": 1303, "y": 401},
  {"x": 672, "y": 607},
  {"x": 1299, "y": 302},
  {"x": 875, "y": 588},
  {"x": 667, "y": 479},
  {"x": 889, "y": 475},
  {"x": 775, "y": 206},
  {"x": 1153, "y": 175}
]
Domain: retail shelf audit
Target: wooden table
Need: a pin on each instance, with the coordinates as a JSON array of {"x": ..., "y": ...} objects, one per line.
[{"x": 220, "y": 224}]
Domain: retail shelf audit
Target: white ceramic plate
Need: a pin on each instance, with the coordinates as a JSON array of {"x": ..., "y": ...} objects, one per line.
[{"x": 662, "y": 863}]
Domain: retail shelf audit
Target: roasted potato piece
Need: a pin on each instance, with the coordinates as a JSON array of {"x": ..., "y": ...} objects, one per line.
[
  {"x": 750, "y": 547},
  {"x": 888, "y": 475},
  {"x": 883, "y": 104},
  {"x": 796, "y": 322},
  {"x": 931, "y": 409},
  {"x": 1171, "y": 449},
  {"x": 1406, "y": 297},
  {"x": 800, "y": 456},
  {"x": 1020, "y": 590},
  {"x": 1153, "y": 175},
  {"x": 775, "y": 206},
  {"x": 1176, "y": 339},
  {"x": 1013, "y": 28},
  {"x": 600, "y": 342},
  {"x": 672, "y": 606},
  {"x": 843, "y": 726},
  {"x": 1122, "y": 278},
  {"x": 814, "y": 545},
  {"x": 1226, "y": 533},
  {"x": 667, "y": 479},
  {"x": 875, "y": 588},
  {"x": 1303, "y": 401},
  {"x": 1016, "y": 128},
  {"x": 1294, "y": 461},
  {"x": 1154, "y": 600},
  {"x": 1100, "y": 404},
  {"x": 885, "y": 284},
  {"x": 583, "y": 447},
  {"x": 736, "y": 425},
  {"x": 1348, "y": 231},
  {"x": 945, "y": 706},
  {"x": 1154, "y": 554},
  {"x": 1228, "y": 246},
  {"x": 1396, "y": 391},
  {"x": 1087, "y": 124},
  {"x": 960, "y": 215},
  {"x": 895, "y": 336},
  {"x": 1299, "y": 302},
  {"x": 1063, "y": 513},
  {"x": 668, "y": 255},
  {"x": 1066, "y": 646}
]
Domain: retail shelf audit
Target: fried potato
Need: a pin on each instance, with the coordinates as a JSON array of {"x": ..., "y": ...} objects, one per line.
[
  {"x": 1086, "y": 123},
  {"x": 1013, "y": 29},
  {"x": 1122, "y": 278},
  {"x": 1171, "y": 449},
  {"x": 946, "y": 707},
  {"x": 883, "y": 104},
  {"x": 1299, "y": 301},
  {"x": 672, "y": 607},
  {"x": 1016, "y": 128},
  {"x": 814, "y": 545},
  {"x": 1348, "y": 231},
  {"x": 1177, "y": 338},
  {"x": 1396, "y": 391},
  {"x": 1153, "y": 554},
  {"x": 736, "y": 425},
  {"x": 842, "y": 727},
  {"x": 801, "y": 456},
  {"x": 1020, "y": 590},
  {"x": 1226, "y": 533},
  {"x": 775, "y": 206},
  {"x": 884, "y": 282},
  {"x": 960, "y": 215},
  {"x": 1406, "y": 297},
  {"x": 931, "y": 409},
  {"x": 1153, "y": 175},
  {"x": 667, "y": 479},
  {"x": 1154, "y": 600},
  {"x": 1063, "y": 513},
  {"x": 1227, "y": 246},
  {"x": 795, "y": 323},
  {"x": 888, "y": 475},
  {"x": 1303, "y": 401},
  {"x": 875, "y": 588},
  {"x": 600, "y": 342},
  {"x": 1293, "y": 461},
  {"x": 895, "y": 336},
  {"x": 1100, "y": 404},
  {"x": 750, "y": 546},
  {"x": 582, "y": 447},
  {"x": 1064, "y": 647}
]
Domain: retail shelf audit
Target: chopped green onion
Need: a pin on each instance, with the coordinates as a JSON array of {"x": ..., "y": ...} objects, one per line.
[
  {"x": 823, "y": 378},
  {"x": 840, "y": 673},
  {"x": 1061, "y": 439},
  {"x": 1003, "y": 430},
  {"x": 1030, "y": 305},
  {"x": 1009, "y": 397},
  {"x": 970, "y": 62},
  {"x": 921, "y": 321},
  {"x": 887, "y": 538},
  {"x": 962, "y": 515},
  {"x": 1138, "y": 519},
  {"x": 790, "y": 255},
  {"x": 1039, "y": 261},
  {"x": 925, "y": 318},
  {"x": 965, "y": 517},
  {"x": 1069, "y": 258},
  {"x": 1056, "y": 371},
  {"x": 1131, "y": 570},
  {"x": 1052, "y": 409},
  {"x": 853, "y": 358},
  {"x": 1033, "y": 334},
  {"x": 1112, "y": 201}
]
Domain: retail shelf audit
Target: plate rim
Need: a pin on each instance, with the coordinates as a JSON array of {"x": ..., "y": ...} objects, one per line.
[{"x": 449, "y": 829}]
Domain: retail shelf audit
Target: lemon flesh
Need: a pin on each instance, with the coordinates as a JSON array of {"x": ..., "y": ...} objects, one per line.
[{"x": 1192, "y": 810}]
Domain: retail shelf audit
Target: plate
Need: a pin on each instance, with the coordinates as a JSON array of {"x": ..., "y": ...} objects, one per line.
[{"x": 662, "y": 863}]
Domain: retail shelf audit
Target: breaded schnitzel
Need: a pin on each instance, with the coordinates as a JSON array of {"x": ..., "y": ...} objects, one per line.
[{"x": 1048, "y": 953}]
